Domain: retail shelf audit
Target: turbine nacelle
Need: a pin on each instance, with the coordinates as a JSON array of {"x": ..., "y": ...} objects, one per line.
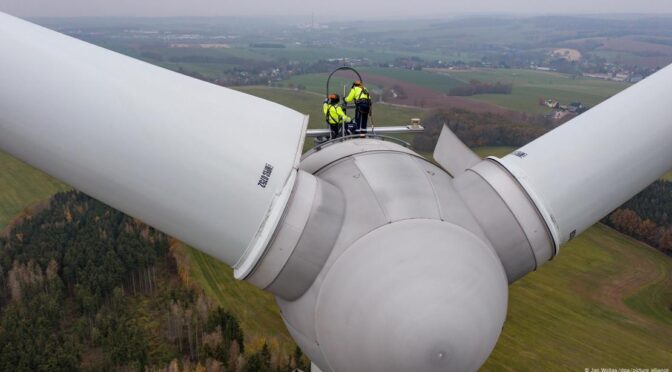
[{"x": 380, "y": 262}]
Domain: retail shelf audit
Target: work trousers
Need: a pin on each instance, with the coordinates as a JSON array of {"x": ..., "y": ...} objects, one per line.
[
  {"x": 336, "y": 130},
  {"x": 362, "y": 109}
]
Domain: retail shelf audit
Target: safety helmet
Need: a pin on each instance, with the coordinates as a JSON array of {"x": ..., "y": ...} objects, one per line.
[
  {"x": 357, "y": 83},
  {"x": 334, "y": 98}
]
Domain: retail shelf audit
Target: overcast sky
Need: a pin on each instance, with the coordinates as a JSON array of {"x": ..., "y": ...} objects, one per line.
[{"x": 323, "y": 9}]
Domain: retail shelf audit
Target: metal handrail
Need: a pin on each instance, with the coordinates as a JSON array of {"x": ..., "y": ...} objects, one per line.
[{"x": 356, "y": 136}]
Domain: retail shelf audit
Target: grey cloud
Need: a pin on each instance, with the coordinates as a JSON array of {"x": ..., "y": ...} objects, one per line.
[{"x": 324, "y": 9}]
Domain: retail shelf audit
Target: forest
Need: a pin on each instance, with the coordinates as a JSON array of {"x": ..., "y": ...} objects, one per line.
[
  {"x": 83, "y": 286},
  {"x": 646, "y": 217},
  {"x": 480, "y": 129}
]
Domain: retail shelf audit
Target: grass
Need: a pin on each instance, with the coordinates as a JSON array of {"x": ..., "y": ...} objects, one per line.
[
  {"x": 308, "y": 54},
  {"x": 212, "y": 70},
  {"x": 604, "y": 301},
  {"x": 530, "y": 85},
  {"x": 497, "y": 151},
  {"x": 317, "y": 82},
  {"x": 440, "y": 83},
  {"x": 311, "y": 104},
  {"x": 258, "y": 314},
  {"x": 21, "y": 186}
]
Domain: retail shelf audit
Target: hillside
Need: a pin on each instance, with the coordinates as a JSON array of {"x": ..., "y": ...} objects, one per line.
[
  {"x": 256, "y": 309},
  {"x": 606, "y": 300},
  {"x": 21, "y": 186}
]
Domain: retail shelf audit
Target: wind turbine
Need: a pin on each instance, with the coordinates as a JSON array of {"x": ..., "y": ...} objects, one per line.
[{"x": 379, "y": 259}]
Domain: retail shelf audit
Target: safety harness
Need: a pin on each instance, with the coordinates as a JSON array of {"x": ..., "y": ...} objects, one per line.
[{"x": 328, "y": 115}]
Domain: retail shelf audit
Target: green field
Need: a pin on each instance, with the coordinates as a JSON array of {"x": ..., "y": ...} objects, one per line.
[
  {"x": 311, "y": 104},
  {"x": 21, "y": 186},
  {"x": 308, "y": 54},
  {"x": 301, "y": 53},
  {"x": 604, "y": 301},
  {"x": 256, "y": 309},
  {"x": 530, "y": 85},
  {"x": 425, "y": 79},
  {"x": 498, "y": 151},
  {"x": 211, "y": 70},
  {"x": 317, "y": 82}
]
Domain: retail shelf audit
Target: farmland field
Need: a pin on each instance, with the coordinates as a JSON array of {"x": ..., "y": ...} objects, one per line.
[
  {"x": 603, "y": 301},
  {"x": 413, "y": 95},
  {"x": 311, "y": 104},
  {"x": 21, "y": 186},
  {"x": 425, "y": 79},
  {"x": 530, "y": 85},
  {"x": 302, "y": 53},
  {"x": 316, "y": 83},
  {"x": 429, "y": 88}
]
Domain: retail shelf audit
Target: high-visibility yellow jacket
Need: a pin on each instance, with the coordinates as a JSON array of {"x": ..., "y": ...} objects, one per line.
[
  {"x": 357, "y": 93},
  {"x": 334, "y": 114}
]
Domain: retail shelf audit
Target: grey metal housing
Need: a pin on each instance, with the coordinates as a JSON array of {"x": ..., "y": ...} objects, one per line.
[{"x": 366, "y": 216}]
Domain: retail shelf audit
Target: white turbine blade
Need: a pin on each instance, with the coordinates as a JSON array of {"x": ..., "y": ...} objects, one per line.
[
  {"x": 208, "y": 165},
  {"x": 453, "y": 155},
  {"x": 579, "y": 172}
]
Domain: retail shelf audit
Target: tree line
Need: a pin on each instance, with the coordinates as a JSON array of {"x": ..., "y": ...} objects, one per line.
[
  {"x": 83, "y": 286},
  {"x": 647, "y": 216},
  {"x": 480, "y": 129},
  {"x": 476, "y": 87}
]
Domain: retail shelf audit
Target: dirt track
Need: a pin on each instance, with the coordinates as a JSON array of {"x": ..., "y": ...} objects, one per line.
[{"x": 637, "y": 275}]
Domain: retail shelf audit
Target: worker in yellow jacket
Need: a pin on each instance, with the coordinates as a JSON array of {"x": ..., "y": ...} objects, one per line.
[
  {"x": 360, "y": 95},
  {"x": 334, "y": 115}
]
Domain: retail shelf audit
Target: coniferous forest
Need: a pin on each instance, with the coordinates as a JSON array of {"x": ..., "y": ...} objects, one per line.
[
  {"x": 83, "y": 286},
  {"x": 647, "y": 216}
]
